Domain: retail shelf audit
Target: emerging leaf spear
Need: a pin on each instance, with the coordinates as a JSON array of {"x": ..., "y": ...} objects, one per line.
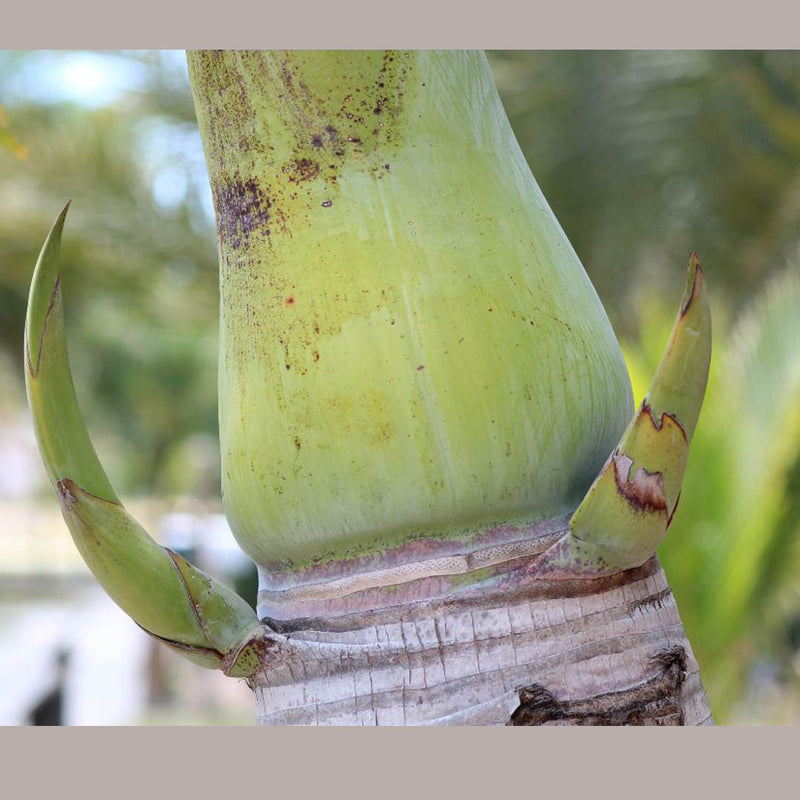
[{"x": 412, "y": 358}]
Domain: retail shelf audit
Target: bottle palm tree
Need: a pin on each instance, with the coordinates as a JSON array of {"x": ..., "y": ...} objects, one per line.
[{"x": 428, "y": 439}]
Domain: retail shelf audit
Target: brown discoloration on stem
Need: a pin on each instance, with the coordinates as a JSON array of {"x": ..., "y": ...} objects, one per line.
[
  {"x": 48, "y": 265},
  {"x": 242, "y": 207},
  {"x": 302, "y": 169},
  {"x": 655, "y": 701},
  {"x": 257, "y": 653},
  {"x": 70, "y": 494},
  {"x": 541, "y": 534},
  {"x": 310, "y": 138},
  {"x": 66, "y": 494},
  {"x": 629, "y": 507},
  {"x": 645, "y": 493}
]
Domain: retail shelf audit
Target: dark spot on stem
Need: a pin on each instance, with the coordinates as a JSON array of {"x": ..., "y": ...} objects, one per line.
[
  {"x": 653, "y": 602},
  {"x": 65, "y": 494},
  {"x": 303, "y": 169},
  {"x": 242, "y": 208},
  {"x": 655, "y": 701}
]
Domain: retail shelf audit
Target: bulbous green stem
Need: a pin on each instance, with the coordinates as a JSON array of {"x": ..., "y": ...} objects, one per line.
[
  {"x": 164, "y": 594},
  {"x": 627, "y": 510},
  {"x": 410, "y": 349}
]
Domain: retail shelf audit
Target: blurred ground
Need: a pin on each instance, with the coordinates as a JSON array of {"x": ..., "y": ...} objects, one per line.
[{"x": 114, "y": 673}]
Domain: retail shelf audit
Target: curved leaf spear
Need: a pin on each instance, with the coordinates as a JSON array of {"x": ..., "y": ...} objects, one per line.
[
  {"x": 164, "y": 594},
  {"x": 624, "y": 514}
]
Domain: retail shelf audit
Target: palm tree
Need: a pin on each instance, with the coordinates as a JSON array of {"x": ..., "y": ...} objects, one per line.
[{"x": 418, "y": 385}]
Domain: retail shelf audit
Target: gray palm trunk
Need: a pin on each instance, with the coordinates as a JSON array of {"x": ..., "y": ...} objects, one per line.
[{"x": 481, "y": 643}]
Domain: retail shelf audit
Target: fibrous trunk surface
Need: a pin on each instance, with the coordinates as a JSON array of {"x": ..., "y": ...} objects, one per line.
[{"x": 609, "y": 651}]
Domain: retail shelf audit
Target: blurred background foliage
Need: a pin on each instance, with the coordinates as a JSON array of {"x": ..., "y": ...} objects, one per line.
[{"x": 643, "y": 156}]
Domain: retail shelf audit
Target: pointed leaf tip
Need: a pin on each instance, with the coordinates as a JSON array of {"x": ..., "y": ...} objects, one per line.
[
  {"x": 45, "y": 286},
  {"x": 680, "y": 381},
  {"x": 63, "y": 440},
  {"x": 695, "y": 281},
  {"x": 627, "y": 510}
]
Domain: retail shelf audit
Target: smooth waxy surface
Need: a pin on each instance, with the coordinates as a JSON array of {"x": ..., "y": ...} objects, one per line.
[{"x": 410, "y": 347}]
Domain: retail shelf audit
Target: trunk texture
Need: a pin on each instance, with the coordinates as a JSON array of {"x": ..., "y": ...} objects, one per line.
[{"x": 468, "y": 640}]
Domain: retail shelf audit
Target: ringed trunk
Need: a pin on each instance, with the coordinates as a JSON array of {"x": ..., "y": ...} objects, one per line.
[{"x": 491, "y": 646}]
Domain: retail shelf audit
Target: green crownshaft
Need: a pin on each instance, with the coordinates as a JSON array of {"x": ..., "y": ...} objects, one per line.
[{"x": 410, "y": 348}]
